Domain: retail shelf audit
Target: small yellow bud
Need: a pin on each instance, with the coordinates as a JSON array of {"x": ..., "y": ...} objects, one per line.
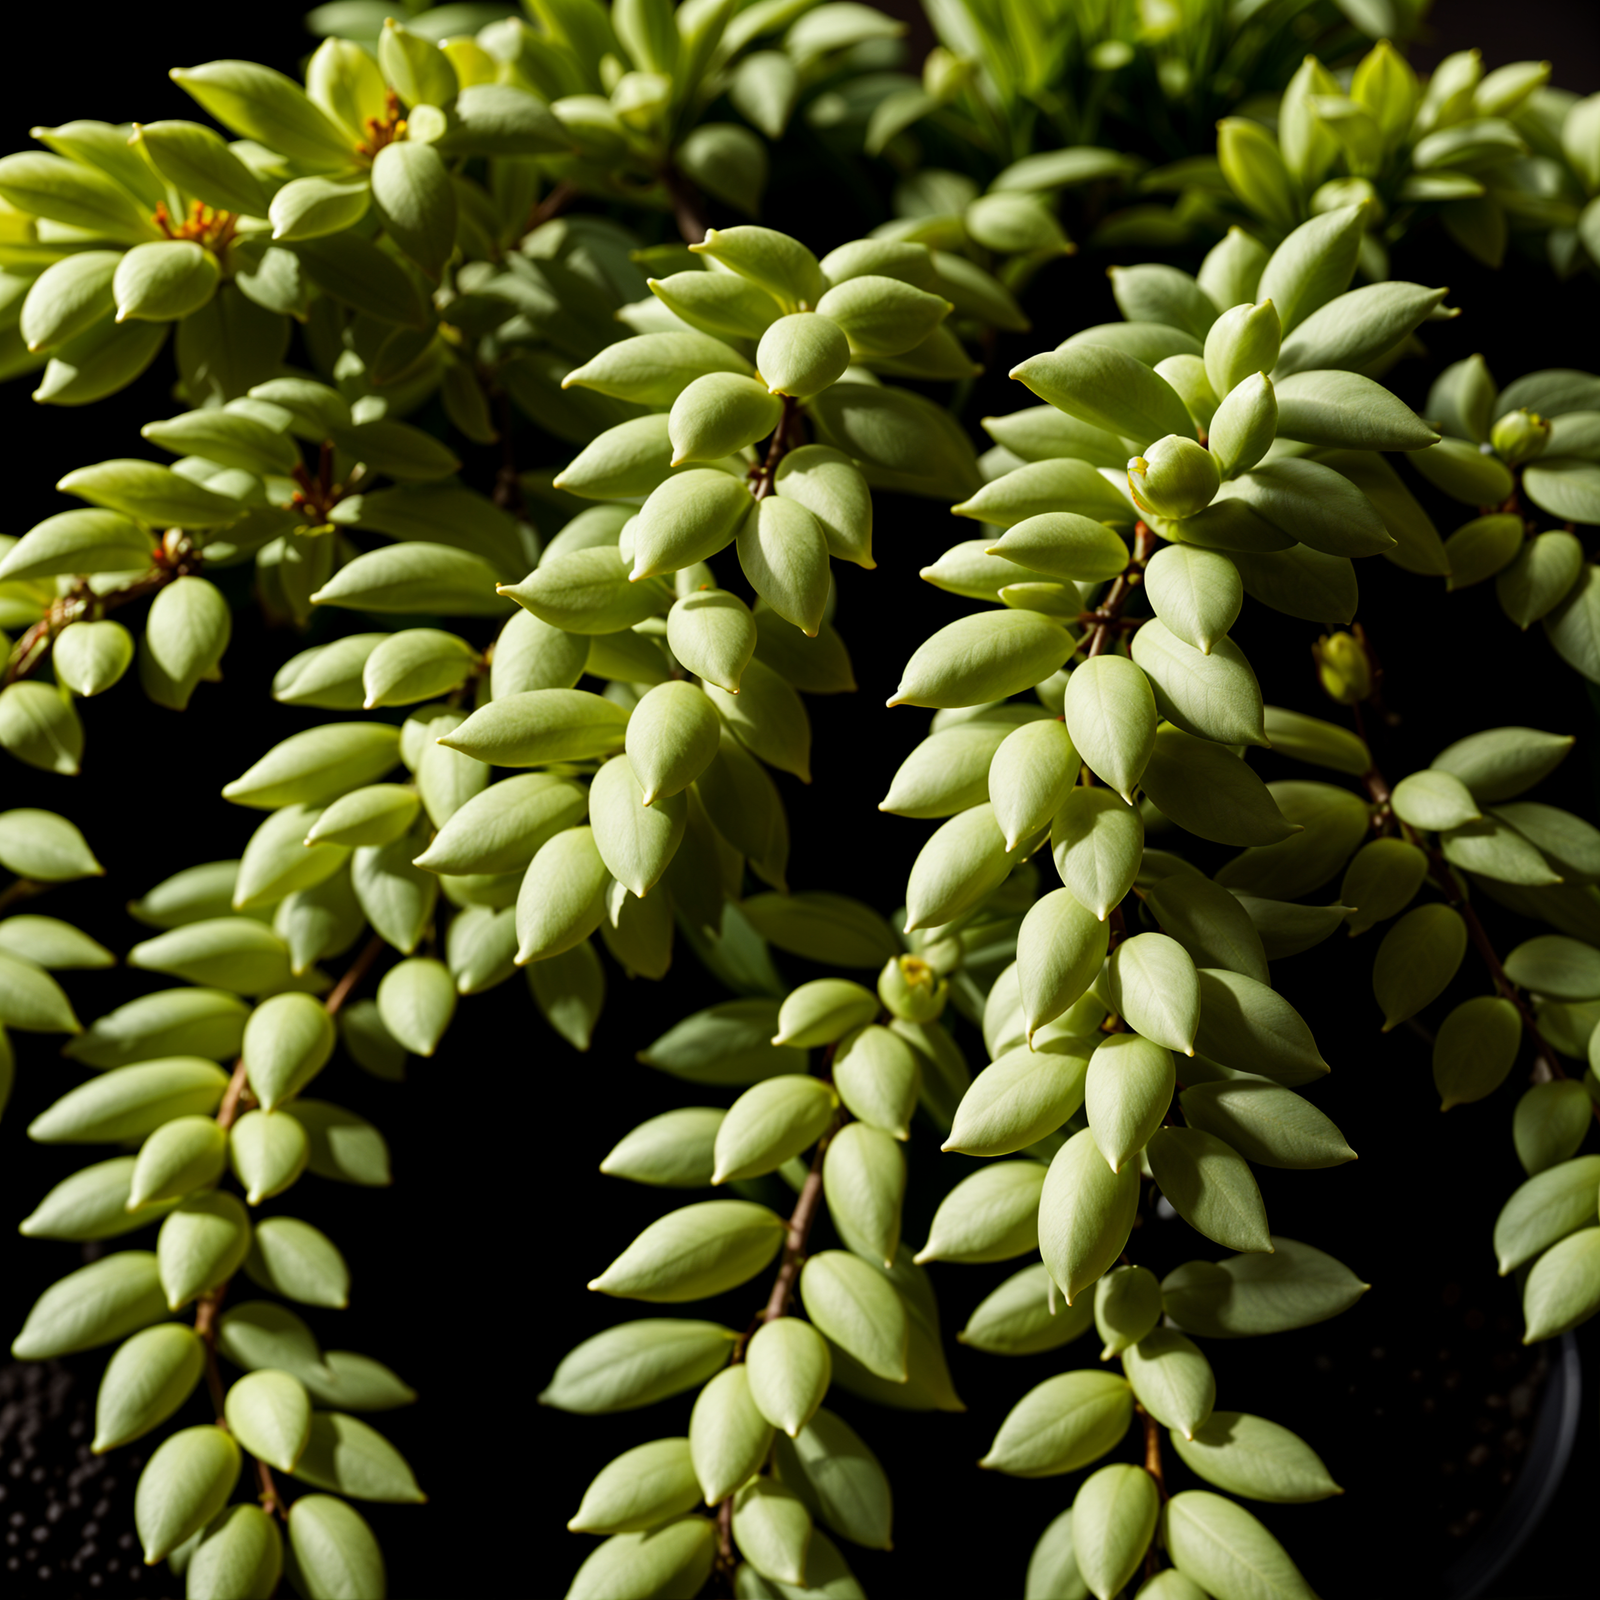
[
  {"x": 1175, "y": 477},
  {"x": 1343, "y": 667},
  {"x": 1520, "y": 436},
  {"x": 911, "y": 989}
]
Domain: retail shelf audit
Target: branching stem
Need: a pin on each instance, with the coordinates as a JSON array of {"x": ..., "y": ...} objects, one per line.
[
  {"x": 1107, "y": 619},
  {"x": 784, "y": 439}
]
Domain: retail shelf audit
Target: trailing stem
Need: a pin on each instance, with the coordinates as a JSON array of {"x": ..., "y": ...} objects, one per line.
[
  {"x": 1107, "y": 619},
  {"x": 236, "y": 1100},
  {"x": 688, "y": 204},
  {"x": 785, "y": 437},
  {"x": 1546, "y": 1064}
]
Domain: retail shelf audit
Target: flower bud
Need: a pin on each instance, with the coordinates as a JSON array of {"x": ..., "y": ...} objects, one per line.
[
  {"x": 1244, "y": 426},
  {"x": 1337, "y": 193},
  {"x": 1343, "y": 667},
  {"x": 802, "y": 354},
  {"x": 945, "y": 74},
  {"x": 1175, "y": 477},
  {"x": 1242, "y": 341},
  {"x": 1520, "y": 436},
  {"x": 911, "y": 989}
]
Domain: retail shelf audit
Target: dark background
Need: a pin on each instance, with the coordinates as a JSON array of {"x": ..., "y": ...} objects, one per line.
[{"x": 468, "y": 1273}]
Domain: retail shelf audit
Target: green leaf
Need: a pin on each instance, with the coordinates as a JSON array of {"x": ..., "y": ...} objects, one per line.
[
  {"x": 180, "y": 1156},
  {"x": 186, "y": 1482},
  {"x": 1052, "y": 1568},
  {"x": 345, "y": 1454},
  {"x": 729, "y": 1043},
  {"x": 1382, "y": 880},
  {"x": 287, "y": 1042},
  {"x": 44, "y": 847},
  {"x": 416, "y": 1001},
  {"x": 790, "y": 1369},
  {"x": 878, "y": 1076},
  {"x": 641, "y": 1488},
  {"x": 131, "y": 1102},
  {"x": 1547, "y": 1207},
  {"x": 864, "y": 1181},
  {"x": 1555, "y": 967},
  {"x": 1111, "y": 716},
  {"x": 1127, "y": 1091},
  {"x": 1249, "y": 1026},
  {"x": 770, "y": 1123},
  {"x": 1107, "y": 389},
  {"x": 636, "y": 1363},
  {"x": 1097, "y": 841},
  {"x": 1500, "y": 763},
  {"x": 1266, "y": 1124},
  {"x": 1023, "y": 1096},
  {"x": 1022, "y": 1317},
  {"x": 991, "y": 1215},
  {"x": 965, "y": 860},
  {"x": 1571, "y": 845},
  {"x": 1127, "y": 1305},
  {"x": 728, "y": 1436},
  {"x": 1549, "y": 1123},
  {"x": 834, "y": 1474},
  {"x": 673, "y": 1150},
  {"x": 77, "y": 541},
  {"x": 432, "y": 578},
  {"x": 239, "y": 1553},
  {"x": 1045, "y": 487},
  {"x": 1332, "y": 822},
  {"x": 1565, "y": 486},
  {"x": 268, "y": 1152},
  {"x": 982, "y": 658},
  {"x": 1226, "y": 1551},
  {"x": 299, "y": 1262},
  {"x": 635, "y": 840},
  {"x": 333, "y": 1549},
  {"x": 106, "y": 1300},
  {"x": 859, "y": 1310},
  {"x": 1151, "y": 983},
  {"x": 1062, "y": 1424},
  {"x": 1434, "y": 800},
  {"x": 674, "y": 1558},
  {"x": 1416, "y": 961},
  {"x": 91, "y": 1204},
  {"x": 1086, "y": 1212},
  {"x": 1318, "y": 506},
  {"x": 1344, "y": 410},
  {"x": 318, "y": 765},
  {"x": 1113, "y": 1520},
  {"x": 1563, "y": 1287},
  {"x": 1060, "y": 947},
  {"x": 341, "y": 1144},
  {"x": 147, "y": 1379},
  {"x": 1250, "y": 1456},
  {"x": 1171, "y": 1379},
  {"x": 39, "y": 726},
  {"x": 694, "y": 1252},
  {"x": 269, "y": 1413},
  {"x": 1196, "y": 594},
  {"x": 202, "y": 1243},
  {"x": 1209, "y": 1185},
  {"x": 31, "y": 1000},
  {"x": 1496, "y": 851},
  {"x": 1212, "y": 793},
  {"x": 1246, "y": 1295},
  {"x": 772, "y": 1527},
  {"x": 1209, "y": 923}
]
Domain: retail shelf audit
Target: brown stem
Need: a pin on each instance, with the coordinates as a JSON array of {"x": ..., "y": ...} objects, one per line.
[
  {"x": 22, "y": 889},
  {"x": 726, "y": 1560},
  {"x": 1107, "y": 618},
  {"x": 784, "y": 438},
  {"x": 236, "y": 1097},
  {"x": 558, "y": 200},
  {"x": 205, "y": 1324},
  {"x": 507, "y": 484},
  {"x": 1152, "y": 1465},
  {"x": 688, "y": 205},
  {"x": 271, "y": 1501},
  {"x": 800, "y": 1221},
  {"x": 358, "y": 970}
]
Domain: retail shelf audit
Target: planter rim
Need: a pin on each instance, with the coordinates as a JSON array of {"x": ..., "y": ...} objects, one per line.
[{"x": 1554, "y": 1434}]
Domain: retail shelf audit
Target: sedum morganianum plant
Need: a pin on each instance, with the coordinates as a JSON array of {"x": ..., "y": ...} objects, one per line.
[{"x": 1491, "y": 154}]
